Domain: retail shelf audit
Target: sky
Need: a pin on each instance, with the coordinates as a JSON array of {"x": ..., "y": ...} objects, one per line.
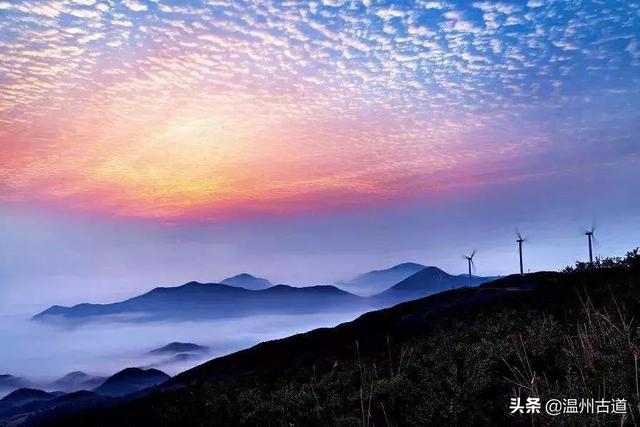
[{"x": 156, "y": 142}]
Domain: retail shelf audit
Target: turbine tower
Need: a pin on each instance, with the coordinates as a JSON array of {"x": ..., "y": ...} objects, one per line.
[
  {"x": 590, "y": 239},
  {"x": 470, "y": 263},
  {"x": 520, "y": 241}
]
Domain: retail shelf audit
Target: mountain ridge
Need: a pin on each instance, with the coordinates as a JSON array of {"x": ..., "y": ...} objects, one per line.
[{"x": 194, "y": 300}]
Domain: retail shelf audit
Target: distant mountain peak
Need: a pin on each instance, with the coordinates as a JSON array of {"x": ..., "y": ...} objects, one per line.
[
  {"x": 24, "y": 395},
  {"x": 7, "y": 377},
  {"x": 247, "y": 281},
  {"x": 428, "y": 281},
  {"x": 180, "y": 347},
  {"x": 133, "y": 371},
  {"x": 11, "y": 382},
  {"x": 433, "y": 270},
  {"x": 76, "y": 374},
  {"x": 376, "y": 281},
  {"x": 131, "y": 380},
  {"x": 77, "y": 380},
  {"x": 243, "y": 276},
  {"x": 407, "y": 265}
]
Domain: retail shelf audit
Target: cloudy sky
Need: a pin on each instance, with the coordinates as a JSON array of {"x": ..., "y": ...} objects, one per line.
[{"x": 149, "y": 141}]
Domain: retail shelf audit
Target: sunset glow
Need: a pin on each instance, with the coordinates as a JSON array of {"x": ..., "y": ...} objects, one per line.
[{"x": 209, "y": 110}]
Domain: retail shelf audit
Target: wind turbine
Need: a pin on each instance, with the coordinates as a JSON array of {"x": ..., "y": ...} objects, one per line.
[
  {"x": 469, "y": 259},
  {"x": 590, "y": 238},
  {"x": 520, "y": 241}
]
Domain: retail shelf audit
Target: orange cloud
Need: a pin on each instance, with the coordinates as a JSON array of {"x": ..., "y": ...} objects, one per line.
[{"x": 211, "y": 125}]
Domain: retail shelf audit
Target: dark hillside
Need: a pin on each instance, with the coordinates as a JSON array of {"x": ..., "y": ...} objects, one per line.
[{"x": 454, "y": 358}]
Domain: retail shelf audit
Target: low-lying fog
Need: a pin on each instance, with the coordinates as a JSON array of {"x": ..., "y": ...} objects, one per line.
[{"x": 41, "y": 353}]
